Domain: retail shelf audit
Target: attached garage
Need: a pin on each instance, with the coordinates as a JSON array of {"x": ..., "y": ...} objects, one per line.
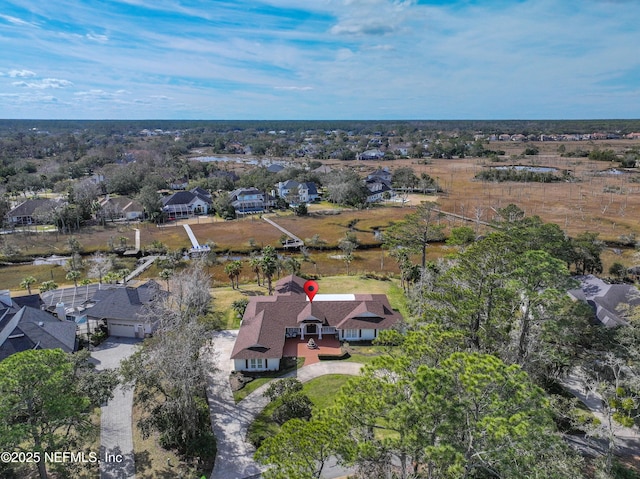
[
  {"x": 125, "y": 309},
  {"x": 121, "y": 329}
]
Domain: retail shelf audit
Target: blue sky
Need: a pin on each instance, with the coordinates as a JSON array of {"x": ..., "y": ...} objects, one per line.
[{"x": 320, "y": 59}]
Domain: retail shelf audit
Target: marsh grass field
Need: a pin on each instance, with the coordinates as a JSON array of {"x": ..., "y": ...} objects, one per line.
[{"x": 600, "y": 198}]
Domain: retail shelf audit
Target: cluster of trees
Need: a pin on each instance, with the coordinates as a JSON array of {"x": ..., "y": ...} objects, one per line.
[
  {"x": 265, "y": 264},
  {"x": 169, "y": 370},
  {"x": 469, "y": 390},
  {"x": 521, "y": 175},
  {"x": 431, "y": 409},
  {"x": 47, "y": 398}
]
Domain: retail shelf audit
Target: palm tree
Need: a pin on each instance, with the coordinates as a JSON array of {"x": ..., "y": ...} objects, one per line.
[
  {"x": 73, "y": 275},
  {"x": 166, "y": 274},
  {"x": 229, "y": 271},
  {"x": 269, "y": 264},
  {"x": 110, "y": 277},
  {"x": 233, "y": 270},
  {"x": 254, "y": 263},
  {"x": 27, "y": 282},
  {"x": 122, "y": 274},
  {"x": 238, "y": 270},
  {"x": 48, "y": 286},
  {"x": 292, "y": 265}
]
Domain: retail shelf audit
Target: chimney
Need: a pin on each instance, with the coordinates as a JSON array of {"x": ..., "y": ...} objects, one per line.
[{"x": 60, "y": 311}]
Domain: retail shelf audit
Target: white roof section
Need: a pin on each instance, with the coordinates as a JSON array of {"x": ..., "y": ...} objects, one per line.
[{"x": 333, "y": 297}]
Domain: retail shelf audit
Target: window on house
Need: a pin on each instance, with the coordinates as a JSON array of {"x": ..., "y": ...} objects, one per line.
[
  {"x": 255, "y": 363},
  {"x": 351, "y": 333}
]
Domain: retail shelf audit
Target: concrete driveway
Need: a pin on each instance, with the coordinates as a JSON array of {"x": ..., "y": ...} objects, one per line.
[
  {"x": 116, "y": 433},
  {"x": 231, "y": 421}
]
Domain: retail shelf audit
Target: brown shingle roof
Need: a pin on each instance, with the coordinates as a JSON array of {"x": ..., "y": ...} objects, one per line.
[{"x": 266, "y": 318}]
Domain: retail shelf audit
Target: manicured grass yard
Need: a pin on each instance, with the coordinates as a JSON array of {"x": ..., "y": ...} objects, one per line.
[
  {"x": 357, "y": 284},
  {"x": 259, "y": 381},
  {"x": 364, "y": 354},
  {"x": 322, "y": 392}
]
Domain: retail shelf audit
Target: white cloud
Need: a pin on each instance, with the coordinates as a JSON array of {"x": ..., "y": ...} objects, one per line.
[
  {"x": 44, "y": 83},
  {"x": 97, "y": 37},
  {"x": 371, "y": 17},
  {"x": 98, "y": 94},
  {"x": 17, "y": 21},
  {"x": 21, "y": 74},
  {"x": 362, "y": 27},
  {"x": 294, "y": 88},
  {"x": 383, "y": 48}
]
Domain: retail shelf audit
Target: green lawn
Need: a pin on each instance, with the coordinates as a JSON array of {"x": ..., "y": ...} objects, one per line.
[
  {"x": 364, "y": 354},
  {"x": 322, "y": 392},
  {"x": 263, "y": 379}
]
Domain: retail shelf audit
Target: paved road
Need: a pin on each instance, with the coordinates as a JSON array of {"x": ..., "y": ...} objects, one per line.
[
  {"x": 231, "y": 421},
  {"x": 116, "y": 434}
]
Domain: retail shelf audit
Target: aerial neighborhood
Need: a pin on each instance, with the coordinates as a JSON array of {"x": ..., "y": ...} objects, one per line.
[{"x": 318, "y": 299}]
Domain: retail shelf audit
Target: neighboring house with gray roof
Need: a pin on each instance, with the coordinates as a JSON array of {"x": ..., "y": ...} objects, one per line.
[
  {"x": 374, "y": 154},
  {"x": 610, "y": 302},
  {"x": 269, "y": 320},
  {"x": 275, "y": 168},
  {"x": 30, "y": 328},
  {"x": 187, "y": 203},
  {"x": 377, "y": 187},
  {"x": 248, "y": 200},
  {"x": 120, "y": 208},
  {"x": 296, "y": 193},
  {"x": 124, "y": 309},
  {"x": 32, "y": 211}
]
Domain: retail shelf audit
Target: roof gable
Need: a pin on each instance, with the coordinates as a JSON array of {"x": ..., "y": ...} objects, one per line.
[
  {"x": 33, "y": 328},
  {"x": 266, "y": 318}
]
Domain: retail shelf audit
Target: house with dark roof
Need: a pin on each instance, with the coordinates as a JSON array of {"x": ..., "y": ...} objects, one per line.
[
  {"x": 269, "y": 321},
  {"x": 374, "y": 154},
  {"x": 32, "y": 211},
  {"x": 382, "y": 173},
  {"x": 610, "y": 302},
  {"x": 184, "y": 204},
  {"x": 248, "y": 200},
  {"x": 296, "y": 193},
  {"x": 124, "y": 310},
  {"x": 23, "y": 328},
  {"x": 275, "y": 168},
  {"x": 120, "y": 208},
  {"x": 377, "y": 187},
  {"x": 179, "y": 183}
]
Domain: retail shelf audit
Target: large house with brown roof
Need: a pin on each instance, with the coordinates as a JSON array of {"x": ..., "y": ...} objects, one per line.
[{"x": 269, "y": 321}]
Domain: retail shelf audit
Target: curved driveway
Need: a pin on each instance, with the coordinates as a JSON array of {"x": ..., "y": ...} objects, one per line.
[{"x": 231, "y": 421}]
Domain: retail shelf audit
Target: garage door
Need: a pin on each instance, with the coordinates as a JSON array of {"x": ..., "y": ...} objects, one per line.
[{"x": 121, "y": 329}]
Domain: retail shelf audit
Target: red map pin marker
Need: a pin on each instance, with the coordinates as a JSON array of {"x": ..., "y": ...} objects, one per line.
[{"x": 311, "y": 288}]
